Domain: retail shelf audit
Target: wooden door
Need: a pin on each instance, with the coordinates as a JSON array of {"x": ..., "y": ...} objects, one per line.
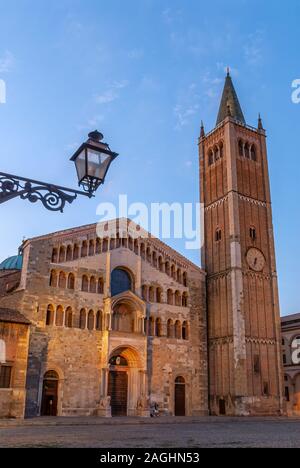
[
  {"x": 180, "y": 397},
  {"x": 118, "y": 390}
]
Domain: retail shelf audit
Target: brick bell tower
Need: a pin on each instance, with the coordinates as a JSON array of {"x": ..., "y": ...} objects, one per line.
[{"x": 238, "y": 254}]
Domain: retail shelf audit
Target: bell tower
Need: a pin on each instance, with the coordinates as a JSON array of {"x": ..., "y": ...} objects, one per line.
[{"x": 238, "y": 255}]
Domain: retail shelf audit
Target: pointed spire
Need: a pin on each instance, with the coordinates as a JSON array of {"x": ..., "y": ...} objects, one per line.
[
  {"x": 202, "y": 131},
  {"x": 260, "y": 124},
  {"x": 231, "y": 101}
]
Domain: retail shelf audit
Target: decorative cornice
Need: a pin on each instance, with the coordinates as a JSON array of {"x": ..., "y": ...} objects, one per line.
[
  {"x": 216, "y": 203},
  {"x": 253, "y": 201},
  {"x": 264, "y": 341}
]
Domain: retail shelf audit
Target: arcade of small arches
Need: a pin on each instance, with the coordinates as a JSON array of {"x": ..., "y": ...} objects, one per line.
[
  {"x": 60, "y": 316},
  {"x": 169, "y": 329},
  {"x": 216, "y": 153},
  {"x": 123, "y": 319},
  {"x": 63, "y": 280},
  {"x": 247, "y": 150},
  {"x": 97, "y": 246},
  {"x": 155, "y": 294}
]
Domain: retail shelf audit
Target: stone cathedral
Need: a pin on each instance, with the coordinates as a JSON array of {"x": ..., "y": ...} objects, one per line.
[{"x": 114, "y": 325}]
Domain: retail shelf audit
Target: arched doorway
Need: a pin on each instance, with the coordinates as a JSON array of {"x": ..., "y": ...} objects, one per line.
[
  {"x": 118, "y": 385},
  {"x": 50, "y": 394},
  {"x": 179, "y": 396}
]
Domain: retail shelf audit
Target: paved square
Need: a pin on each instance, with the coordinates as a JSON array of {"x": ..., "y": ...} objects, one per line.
[{"x": 145, "y": 433}]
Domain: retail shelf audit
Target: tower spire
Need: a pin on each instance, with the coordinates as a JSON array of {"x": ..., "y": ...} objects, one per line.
[
  {"x": 202, "y": 131},
  {"x": 231, "y": 101}
]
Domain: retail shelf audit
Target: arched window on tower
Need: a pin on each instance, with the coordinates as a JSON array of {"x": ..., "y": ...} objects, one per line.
[
  {"x": 252, "y": 232},
  {"x": 151, "y": 294},
  {"x": 121, "y": 281},
  {"x": 253, "y": 153},
  {"x": 91, "y": 248},
  {"x": 184, "y": 300},
  {"x": 217, "y": 153},
  {"x": 98, "y": 246},
  {"x": 210, "y": 157},
  {"x": 158, "y": 328},
  {"x": 75, "y": 252},
  {"x": 158, "y": 295},
  {"x": 241, "y": 148},
  {"x": 99, "y": 320},
  {"x": 221, "y": 150},
  {"x": 247, "y": 151},
  {"x": 170, "y": 297}
]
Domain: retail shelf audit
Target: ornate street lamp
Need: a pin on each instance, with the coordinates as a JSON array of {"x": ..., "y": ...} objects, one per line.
[{"x": 92, "y": 161}]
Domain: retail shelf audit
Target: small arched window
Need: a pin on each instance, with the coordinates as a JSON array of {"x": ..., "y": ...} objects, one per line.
[
  {"x": 170, "y": 329},
  {"x": 253, "y": 153},
  {"x": 149, "y": 255},
  {"x": 85, "y": 284},
  {"x": 50, "y": 315},
  {"x": 151, "y": 294},
  {"x": 177, "y": 298},
  {"x": 160, "y": 264},
  {"x": 99, "y": 320},
  {"x": 54, "y": 256},
  {"x": 158, "y": 328},
  {"x": 217, "y": 153},
  {"x": 84, "y": 249},
  {"x": 178, "y": 334},
  {"x": 158, "y": 295},
  {"x": 91, "y": 320},
  {"x": 120, "y": 281},
  {"x": 100, "y": 286},
  {"x": 170, "y": 297},
  {"x": 53, "y": 279},
  {"x": 151, "y": 327},
  {"x": 221, "y": 150},
  {"x": 93, "y": 285},
  {"x": 75, "y": 252},
  {"x": 62, "y": 280},
  {"x": 62, "y": 254},
  {"x": 69, "y": 318},
  {"x": 145, "y": 292},
  {"x": 179, "y": 276},
  {"x": 71, "y": 281},
  {"x": 218, "y": 235},
  {"x": 82, "y": 319},
  {"x": 241, "y": 148},
  {"x": 184, "y": 279},
  {"x": 143, "y": 251},
  {"x": 69, "y": 253},
  {"x": 167, "y": 268},
  {"x": 252, "y": 233},
  {"x": 185, "y": 331},
  {"x": 247, "y": 151},
  {"x": 105, "y": 245},
  {"x": 184, "y": 300},
  {"x": 154, "y": 259},
  {"x": 59, "y": 321},
  {"x": 91, "y": 248},
  {"x": 210, "y": 157},
  {"x": 136, "y": 247}
]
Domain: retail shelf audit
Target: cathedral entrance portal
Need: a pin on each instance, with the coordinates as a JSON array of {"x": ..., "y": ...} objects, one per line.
[{"x": 118, "y": 386}]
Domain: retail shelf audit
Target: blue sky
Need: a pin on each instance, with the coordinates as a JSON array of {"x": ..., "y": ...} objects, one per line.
[{"x": 145, "y": 72}]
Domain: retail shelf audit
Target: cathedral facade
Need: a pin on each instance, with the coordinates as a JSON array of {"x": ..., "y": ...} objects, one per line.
[{"x": 120, "y": 324}]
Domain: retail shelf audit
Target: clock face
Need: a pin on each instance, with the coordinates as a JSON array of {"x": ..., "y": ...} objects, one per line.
[{"x": 255, "y": 259}]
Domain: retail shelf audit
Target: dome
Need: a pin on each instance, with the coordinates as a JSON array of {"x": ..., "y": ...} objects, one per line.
[{"x": 12, "y": 263}]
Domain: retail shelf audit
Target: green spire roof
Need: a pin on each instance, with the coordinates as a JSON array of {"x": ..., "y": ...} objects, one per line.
[{"x": 230, "y": 103}]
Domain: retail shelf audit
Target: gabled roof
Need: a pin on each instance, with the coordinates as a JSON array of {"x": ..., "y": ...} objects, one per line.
[
  {"x": 230, "y": 105},
  {"x": 13, "y": 316}
]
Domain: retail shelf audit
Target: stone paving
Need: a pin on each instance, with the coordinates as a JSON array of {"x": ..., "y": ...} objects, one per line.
[{"x": 151, "y": 433}]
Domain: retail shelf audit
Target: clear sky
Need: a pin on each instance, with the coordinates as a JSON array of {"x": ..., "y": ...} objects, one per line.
[{"x": 145, "y": 72}]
